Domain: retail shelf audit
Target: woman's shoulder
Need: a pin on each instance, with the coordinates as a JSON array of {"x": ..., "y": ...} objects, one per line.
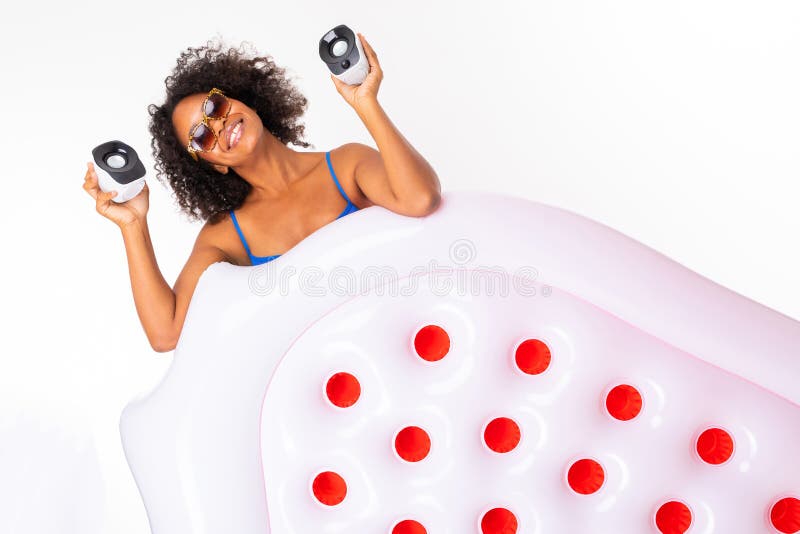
[
  {"x": 344, "y": 160},
  {"x": 216, "y": 233},
  {"x": 347, "y": 155},
  {"x": 211, "y": 229}
]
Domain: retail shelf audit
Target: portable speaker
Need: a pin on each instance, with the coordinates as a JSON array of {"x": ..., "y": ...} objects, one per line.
[
  {"x": 340, "y": 49},
  {"x": 118, "y": 169}
]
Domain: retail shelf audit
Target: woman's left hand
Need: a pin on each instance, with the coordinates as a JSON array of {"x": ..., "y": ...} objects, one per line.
[{"x": 367, "y": 91}]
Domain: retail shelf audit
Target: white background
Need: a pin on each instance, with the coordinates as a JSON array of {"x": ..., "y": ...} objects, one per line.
[{"x": 677, "y": 123}]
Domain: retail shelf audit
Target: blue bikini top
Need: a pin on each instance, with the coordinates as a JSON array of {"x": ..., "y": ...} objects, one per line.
[{"x": 350, "y": 208}]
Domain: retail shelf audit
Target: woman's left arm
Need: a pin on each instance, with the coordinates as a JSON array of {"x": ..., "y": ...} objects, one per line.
[{"x": 395, "y": 176}]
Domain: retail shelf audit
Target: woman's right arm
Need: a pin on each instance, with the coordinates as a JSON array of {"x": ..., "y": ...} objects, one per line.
[{"x": 161, "y": 309}]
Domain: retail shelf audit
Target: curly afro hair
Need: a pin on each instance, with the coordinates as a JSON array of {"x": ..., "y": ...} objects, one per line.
[{"x": 201, "y": 191}]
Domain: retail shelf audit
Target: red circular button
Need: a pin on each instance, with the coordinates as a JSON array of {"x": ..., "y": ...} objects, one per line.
[
  {"x": 673, "y": 518},
  {"x": 715, "y": 446},
  {"x": 432, "y": 343},
  {"x": 499, "y": 521},
  {"x": 412, "y": 444},
  {"x": 624, "y": 402},
  {"x": 329, "y": 488},
  {"x": 585, "y": 476},
  {"x": 785, "y": 515},
  {"x": 532, "y": 356},
  {"x": 343, "y": 390},
  {"x": 409, "y": 526},
  {"x": 502, "y": 434}
]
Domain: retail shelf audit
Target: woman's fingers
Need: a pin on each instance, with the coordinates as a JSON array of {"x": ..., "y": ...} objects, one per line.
[
  {"x": 104, "y": 201},
  {"x": 103, "y": 197},
  {"x": 372, "y": 57},
  {"x": 90, "y": 182}
]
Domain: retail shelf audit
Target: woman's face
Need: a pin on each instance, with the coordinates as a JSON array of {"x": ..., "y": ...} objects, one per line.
[{"x": 188, "y": 112}]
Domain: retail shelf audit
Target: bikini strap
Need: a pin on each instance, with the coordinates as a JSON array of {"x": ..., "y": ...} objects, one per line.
[
  {"x": 335, "y": 179},
  {"x": 241, "y": 235}
]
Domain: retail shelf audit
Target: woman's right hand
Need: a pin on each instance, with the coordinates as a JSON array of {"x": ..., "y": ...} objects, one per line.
[{"x": 123, "y": 213}]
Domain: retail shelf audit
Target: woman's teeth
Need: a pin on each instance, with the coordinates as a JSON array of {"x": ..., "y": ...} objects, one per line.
[{"x": 235, "y": 134}]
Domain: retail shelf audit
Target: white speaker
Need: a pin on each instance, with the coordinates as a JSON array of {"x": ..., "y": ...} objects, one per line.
[
  {"x": 340, "y": 49},
  {"x": 118, "y": 169}
]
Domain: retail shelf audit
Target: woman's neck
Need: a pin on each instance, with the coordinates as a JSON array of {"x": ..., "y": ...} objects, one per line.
[{"x": 273, "y": 168}]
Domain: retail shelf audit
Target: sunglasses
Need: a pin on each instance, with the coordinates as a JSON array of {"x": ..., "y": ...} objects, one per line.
[{"x": 202, "y": 138}]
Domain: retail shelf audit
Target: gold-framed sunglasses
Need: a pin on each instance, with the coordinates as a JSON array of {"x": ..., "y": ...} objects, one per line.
[{"x": 203, "y": 138}]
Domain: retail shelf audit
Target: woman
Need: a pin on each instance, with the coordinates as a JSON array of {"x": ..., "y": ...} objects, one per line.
[{"x": 220, "y": 139}]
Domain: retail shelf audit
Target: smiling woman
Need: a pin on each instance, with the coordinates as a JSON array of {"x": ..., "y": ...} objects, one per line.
[
  {"x": 220, "y": 141},
  {"x": 267, "y": 97}
]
